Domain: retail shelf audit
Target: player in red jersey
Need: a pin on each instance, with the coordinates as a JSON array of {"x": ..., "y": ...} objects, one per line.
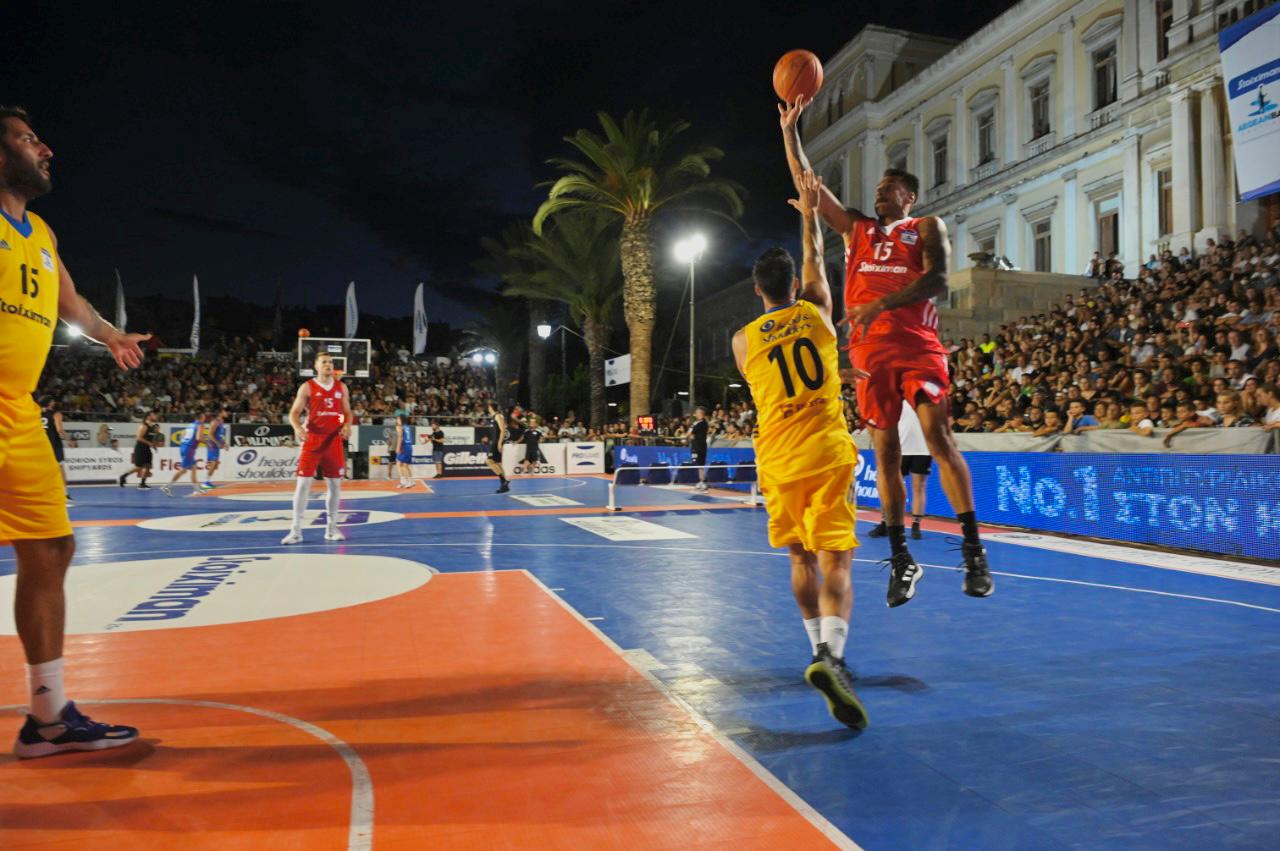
[
  {"x": 895, "y": 265},
  {"x": 328, "y": 407}
]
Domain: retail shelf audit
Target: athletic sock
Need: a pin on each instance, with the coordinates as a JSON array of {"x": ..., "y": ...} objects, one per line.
[
  {"x": 834, "y": 633},
  {"x": 898, "y": 538},
  {"x": 44, "y": 682},
  {"x": 331, "y": 500},
  {"x": 300, "y": 493},
  {"x": 969, "y": 523},
  {"x": 813, "y": 626}
]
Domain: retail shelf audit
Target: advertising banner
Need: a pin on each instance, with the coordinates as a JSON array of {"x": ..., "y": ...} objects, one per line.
[
  {"x": 550, "y": 460},
  {"x": 85, "y": 434},
  {"x": 261, "y": 434},
  {"x": 1228, "y": 505},
  {"x": 96, "y": 464},
  {"x": 257, "y": 464},
  {"x": 466, "y": 461},
  {"x": 1251, "y": 70},
  {"x": 583, "y": 458}
]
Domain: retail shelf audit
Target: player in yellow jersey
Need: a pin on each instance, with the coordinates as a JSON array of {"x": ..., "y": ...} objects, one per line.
[
  {"x": 35, "y": 292},
  {"x": 804, "y": 452}
]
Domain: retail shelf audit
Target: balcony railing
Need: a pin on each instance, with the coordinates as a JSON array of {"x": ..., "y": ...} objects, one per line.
[
  {"x": 985, "y": 170},
  {"x": 1039, "y": 145},
  {"x": 1102, "y": 116},
  {"x": 933, "y": 193}
]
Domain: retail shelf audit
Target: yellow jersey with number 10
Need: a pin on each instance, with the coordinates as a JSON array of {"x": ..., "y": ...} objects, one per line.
[
  {"x": 793, "y": 368},
  {"x": 28, "y": 303}
]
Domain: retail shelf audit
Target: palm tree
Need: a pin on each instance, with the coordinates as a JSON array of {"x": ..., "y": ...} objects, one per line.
[
  {"x": 507, "y": 258},
  {"x": 633, "y": 172},
  {"x": 575, "y": 262}
]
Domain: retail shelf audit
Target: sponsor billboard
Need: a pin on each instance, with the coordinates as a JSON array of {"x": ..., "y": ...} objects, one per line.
[
  {"x": 96, "y": 465},
  {"x": 269, "y": 463},
  {"x": 584, "y": 458},
  {"x": 549, "y": 462},
  {"x": 85, "y": 434},
  {"x": 466, "y": 461},
  {"x": 1251, "y": 69},
  {"x": 261, "y": 434}
]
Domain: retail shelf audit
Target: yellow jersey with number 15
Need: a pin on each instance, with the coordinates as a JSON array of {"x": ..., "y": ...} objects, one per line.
[
  {"x": 28, "y": 302},
  {"x": 793, "y": 368}
]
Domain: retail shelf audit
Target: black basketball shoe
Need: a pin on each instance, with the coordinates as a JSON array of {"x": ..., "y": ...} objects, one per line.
[
  {"x": 977, "y": 575},
  {"x": 830, "y": 676},
  {"x": 904, "y": 575}
]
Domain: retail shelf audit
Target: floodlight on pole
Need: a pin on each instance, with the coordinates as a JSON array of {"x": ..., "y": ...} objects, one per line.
[
  {"x": 544, "y": 331},
  {"x": 490, "y": 358},
  {"x": 689, "y": 250}
]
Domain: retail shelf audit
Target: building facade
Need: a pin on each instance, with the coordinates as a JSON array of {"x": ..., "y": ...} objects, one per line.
[{"x": 1059, "y": 129}]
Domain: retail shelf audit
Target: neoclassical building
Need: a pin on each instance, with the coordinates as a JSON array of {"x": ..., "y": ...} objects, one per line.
[{"x": 1058, "y": 129}]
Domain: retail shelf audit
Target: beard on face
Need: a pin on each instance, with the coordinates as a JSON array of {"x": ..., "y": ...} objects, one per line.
[{"x": 24, "y": 177}]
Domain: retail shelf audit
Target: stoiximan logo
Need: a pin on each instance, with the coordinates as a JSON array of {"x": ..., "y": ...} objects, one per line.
[{"x": 167, "y": 593}]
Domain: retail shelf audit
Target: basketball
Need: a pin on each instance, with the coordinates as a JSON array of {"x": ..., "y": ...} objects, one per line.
[
  {"x": 797, "y": 73},
  {"x": 303, "y": 332}
]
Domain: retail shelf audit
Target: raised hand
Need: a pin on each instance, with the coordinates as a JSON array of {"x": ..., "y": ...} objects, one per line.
[
  {"x": 809, "y": 186},
  {"x": 789, "y": 114},
  {"x": 125, "y": 349}
]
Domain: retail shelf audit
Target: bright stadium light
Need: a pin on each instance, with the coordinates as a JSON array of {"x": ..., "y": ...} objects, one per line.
[
  {"x": 735, "y": 385},
  {"x": 490, "y": 358},
  {"x": 682, "y": 392},
  {"x": 689, "y": 249},
  {"x": 544, "y": 331},
  {"x": 477, "y": 358}
]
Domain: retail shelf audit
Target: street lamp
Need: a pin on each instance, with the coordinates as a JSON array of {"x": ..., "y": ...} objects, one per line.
[
  {"x": 724, "y": 398},
  {"x": 689, "y": 250},
  {"x": 545, "y": 332}
]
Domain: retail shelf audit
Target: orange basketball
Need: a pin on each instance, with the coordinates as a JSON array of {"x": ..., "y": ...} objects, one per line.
[
  {"x": 303, "y": 332},
  {"x": 797, "y": 73}
]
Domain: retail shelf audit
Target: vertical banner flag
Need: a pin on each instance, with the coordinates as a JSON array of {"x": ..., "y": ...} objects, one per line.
[
  {"x": 122, "y": 319},
  {"x": 353, "y": 312},
  {"x": 419, "y": 323},
  {"x": 1251, "y": 66},
  {"x": 195, "y": 323},
  {"x": 617, "y": 371}
]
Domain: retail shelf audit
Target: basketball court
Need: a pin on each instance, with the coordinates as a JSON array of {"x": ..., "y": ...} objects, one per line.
[{"x": 472, "y": 670}]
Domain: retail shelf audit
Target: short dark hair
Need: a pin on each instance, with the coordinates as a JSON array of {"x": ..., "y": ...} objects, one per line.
[
  {"x": 1273, "y": 389},
  {"x": 775, "y": 273},
  {"x": 14, "y": 112},
  {"x": 908, "y": 179}
]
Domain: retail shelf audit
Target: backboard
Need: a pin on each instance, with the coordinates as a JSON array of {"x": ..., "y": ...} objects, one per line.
[{"x": 350, "y": 356}]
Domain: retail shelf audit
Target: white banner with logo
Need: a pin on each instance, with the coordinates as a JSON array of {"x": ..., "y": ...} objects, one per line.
[
  {"x": 617, "y": 370},
  {"x": 97, "y": 464},
  {"x": 1251, "y": 71},
  {"x": 583, "y": 458},
  {"x": 257, "y": 464},
  {"x": 87, "y": 435},
  {"x": 549, "y": 462}
]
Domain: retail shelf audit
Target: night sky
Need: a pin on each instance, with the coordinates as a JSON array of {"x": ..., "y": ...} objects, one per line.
[{"x": 302, "y": 145}]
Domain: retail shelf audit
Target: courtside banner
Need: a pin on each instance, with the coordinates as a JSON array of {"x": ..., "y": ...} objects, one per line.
[
  {"x": 257, "y": 464},
  {"x": 584, "y": 458},
  {"x": 96, "y": 465},
  {"x": 549, "y": 460},
  {"x": 1251, "y": 68},
  {"x": 1224, "y": 504},
  {"x": 259, "y": 435},
  {"x": 466, "y": 461}
]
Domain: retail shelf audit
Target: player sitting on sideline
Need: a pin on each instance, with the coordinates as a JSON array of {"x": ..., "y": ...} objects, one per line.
[
  {"x": 895, "y": 266},
  {"x": 804, "y": 452},
  {"x": 328, "y": 406}
]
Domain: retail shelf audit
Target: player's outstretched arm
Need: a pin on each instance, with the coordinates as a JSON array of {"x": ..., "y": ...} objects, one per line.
[
  {"x": 73, "y": 308},
  {"x": 836, "y": 215},
  {"x": 935, "y": 254},
  {"x": 813, "y": 276}
]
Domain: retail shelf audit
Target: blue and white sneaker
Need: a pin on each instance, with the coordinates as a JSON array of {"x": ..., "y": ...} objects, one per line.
[
  {"x": 206, "y": 486},
  {"x": 73, "y": 731}
]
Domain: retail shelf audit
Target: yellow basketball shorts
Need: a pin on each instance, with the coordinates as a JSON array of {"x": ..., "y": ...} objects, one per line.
[
  {"x": 816, "y": 512},
  {"x": 33, "y": 503}
]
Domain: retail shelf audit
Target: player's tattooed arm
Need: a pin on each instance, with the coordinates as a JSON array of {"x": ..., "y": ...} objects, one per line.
[
  {"x": 836, "y": 215},
  {"x": 936, "y": 255},
  {"x": 76, "y": 310}
]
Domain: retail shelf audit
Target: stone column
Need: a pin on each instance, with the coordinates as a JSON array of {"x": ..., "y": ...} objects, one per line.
[
  {"x": 1180, "y": 27},
  {"x": 1010, "y": 98},
  {"x": 917, "y": 151},
  {"x": 960, "y": 239},
  {"x": 849, "y": 193},
  {"x": 1072, "y": 262},
  {"x": 1011, "y": 242},
  {"x": 869, "y": 77},
  {"x": 1213, "y": 181},
  {"x": 1066, "y": 91},
  {"x": 1131, "y": 207},
  {"x": 1130, "y": 74},
  {"x": 1186, "y": 180},
  {"x": 872, "y": 168},
  {"x": 960, "y": 140}
]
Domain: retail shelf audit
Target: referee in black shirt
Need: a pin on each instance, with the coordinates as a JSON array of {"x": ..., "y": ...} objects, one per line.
[{"x": 698, "y": 445}]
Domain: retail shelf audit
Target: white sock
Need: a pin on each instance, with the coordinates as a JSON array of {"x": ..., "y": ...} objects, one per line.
[
  {"x": 332, "y": 499},
  {"x": 813, "y": 627},
  {"x": 44, "y": 682},
  {"x": 834, "y": 632},
  {"x": 300, "y": 493}
]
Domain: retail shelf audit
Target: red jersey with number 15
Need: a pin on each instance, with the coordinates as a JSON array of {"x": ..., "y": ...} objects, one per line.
[
  {"x": 883, "y": 259},
  {"x": 325, "y": 411}
]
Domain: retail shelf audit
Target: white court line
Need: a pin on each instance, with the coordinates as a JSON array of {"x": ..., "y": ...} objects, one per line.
[
  {"x": 686, "y": 551},
  {"x": 803, "y": 807},
  {"x": 360, "y": 834}
]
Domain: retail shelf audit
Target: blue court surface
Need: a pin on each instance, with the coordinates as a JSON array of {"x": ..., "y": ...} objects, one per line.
[{"x": 1117, "y": 701}]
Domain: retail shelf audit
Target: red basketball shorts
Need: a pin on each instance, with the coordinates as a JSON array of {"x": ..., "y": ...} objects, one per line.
[
  {"x": 898, "y": 372},
  {"x": 322, "y": 452}
]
